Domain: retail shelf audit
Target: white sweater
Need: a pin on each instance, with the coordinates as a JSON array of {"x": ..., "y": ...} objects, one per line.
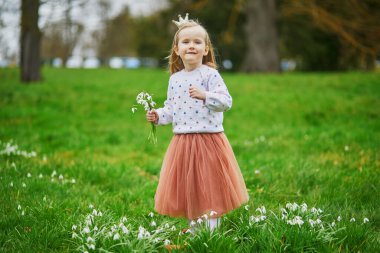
[{"x": 190, "y": 115}]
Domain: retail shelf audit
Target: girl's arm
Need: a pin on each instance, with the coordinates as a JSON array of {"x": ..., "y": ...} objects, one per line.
[{"x": 217, "y": 97}]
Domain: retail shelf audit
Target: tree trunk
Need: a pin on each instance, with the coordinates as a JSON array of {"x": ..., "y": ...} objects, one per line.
[
  {"x": 262, "y": 55},
  {"x": 30, "y": 41}
]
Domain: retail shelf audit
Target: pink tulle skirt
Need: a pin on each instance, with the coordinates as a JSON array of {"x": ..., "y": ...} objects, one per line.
[{"x": 199, "y": 174}]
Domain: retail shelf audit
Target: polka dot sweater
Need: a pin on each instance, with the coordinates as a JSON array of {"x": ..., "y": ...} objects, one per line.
[{"x": 190, "y": 115}]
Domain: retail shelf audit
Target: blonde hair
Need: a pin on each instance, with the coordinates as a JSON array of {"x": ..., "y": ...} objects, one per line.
[{"x": 175, "y": 62}]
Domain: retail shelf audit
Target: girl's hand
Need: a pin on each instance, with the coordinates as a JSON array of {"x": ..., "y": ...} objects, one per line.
[
  {"x": 197, "y": 93},
  {"x": 152, "y": 116}
]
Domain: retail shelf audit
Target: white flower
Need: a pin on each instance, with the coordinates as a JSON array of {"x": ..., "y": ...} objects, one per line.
[
  {"x": 311, "y": 222},
  {"x": 44, "y": 199},
  {"x": 212, "y": 213},
  {"x": 153, "y": 224},
  {"x": 205, "y": 216},
  {"x": 262, "y": 210},
  {"x": 19, "y": 207},
  {"x": 74, "y": 227},
  {"x": 173, "y": 228},
  {"x": 11, "y": 184},
  {"x": 192, "y": 223},
  {"x": 91, "y": 246},
  {"x": 339, "y": 218},
  {"x": 40, "y": 176},
  {"x": 151, "y": 214},
  {"x": 133, "y": 109},
  {"x": 303, "y": 207},
  {"x": 166, "y": 225},
  {"x": 199, "y": 221},
  {"x": 318, "y": 221},
  {"x": 333, "y": 224},
  {"x": 73, "y": 181},
  {"x": 94, "y": 212},
  {"x": 23, "y": 213},
  {"x": 53, "y": 174},
  {"x": 60, "y": 177},
  {"x": 167, "y": 242},
  {"x": 116, "y": 236},
  {"x": 86, "y": 230},
  {"x": 346, "y": 148},
  {"x": 365, "y": 220},
  {"x": 124, "y": 219},
  {"x": 29, "y": 175},
  {"x": 352, "y": 219},
  {"x": 91, "y": 206},
  {"x": 125, "y": 230},
  {"x": 23, "y": 185},
  {"x": 100, "y": 214},
  {"x": 257, "y": 172},
  {"x": 90, "y": 239},
  {"x": 246, "y": 207},
  {"x": 96, "y": 228},
  {"x": 74, "y": 235},
  {"x": 314, "y": 210}
]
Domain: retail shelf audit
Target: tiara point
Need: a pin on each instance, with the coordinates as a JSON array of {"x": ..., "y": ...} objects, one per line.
[{"x": 181, "y": 21}]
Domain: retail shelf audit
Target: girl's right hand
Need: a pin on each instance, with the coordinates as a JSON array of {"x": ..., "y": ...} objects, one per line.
[{"x": 152, "y": 116}]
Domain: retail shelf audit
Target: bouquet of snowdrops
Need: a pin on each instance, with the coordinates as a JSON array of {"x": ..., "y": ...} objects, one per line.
[{"x": 145, "y": 99}]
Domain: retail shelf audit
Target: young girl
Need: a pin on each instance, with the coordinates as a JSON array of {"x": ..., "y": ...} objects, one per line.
[{"x": 199, "y": 173}]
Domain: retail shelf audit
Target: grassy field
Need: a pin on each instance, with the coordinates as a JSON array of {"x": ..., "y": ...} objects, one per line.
[{"x": 311, "y": 139}]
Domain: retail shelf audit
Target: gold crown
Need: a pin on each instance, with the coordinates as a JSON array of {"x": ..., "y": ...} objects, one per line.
[{"x": 182, "y": 21}]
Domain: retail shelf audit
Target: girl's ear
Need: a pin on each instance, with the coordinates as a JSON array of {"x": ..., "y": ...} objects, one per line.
[
  {"x": 206, "y": 51},
  {"x": 176, "y": 50}
]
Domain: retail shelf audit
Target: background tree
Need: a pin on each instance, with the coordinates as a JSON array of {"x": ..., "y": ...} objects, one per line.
[
  {"x": 262, "y": 54},
  {"x": 30, "y": 41}
]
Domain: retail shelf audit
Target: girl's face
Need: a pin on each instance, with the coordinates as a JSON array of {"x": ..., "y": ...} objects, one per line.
[{"x": 191, "y": 46}]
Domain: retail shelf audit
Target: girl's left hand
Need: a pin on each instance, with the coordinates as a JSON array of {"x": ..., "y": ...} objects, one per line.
[{"x": 197, "y": 93}]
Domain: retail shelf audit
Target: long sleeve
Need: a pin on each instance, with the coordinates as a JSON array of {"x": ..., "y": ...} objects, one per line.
[
  {"x": 165, "y": 114},
  {"x": 217, "y": 97}
]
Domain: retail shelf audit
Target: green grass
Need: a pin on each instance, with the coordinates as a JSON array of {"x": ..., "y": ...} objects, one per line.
[{"x": 312, "y": 138}]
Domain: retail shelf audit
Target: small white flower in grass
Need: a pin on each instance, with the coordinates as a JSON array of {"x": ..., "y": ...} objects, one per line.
[
  {"x": 11, "y": 184},
  {"x": 74, "y": 227},
  {"x": 192, "y": 223},
  {"x": 352, "y": 219},
  {"x": 19, "y": 207},
  {"x": 60, "y": 177},
  {"x": 311, "y": 222},
  {"x": 40, "y": 176},
  {"x": 339, "y": 218},
  {"x": 212, "y": 213},
  {"x": 346, "y": 148},
  {"x": 167, "y": 242},
  {"x": 74, "y": 235},
  {"x": 303, "y": 207},
  {"x": 205, "y": 216},
  {"x": 257, "y": 172},
  {"x": 96, "y": 228},
  {"x": 167, "y": 225},
  {"x": 116, "y": 236},
  {"x": 53, "y": 174},
  {"x": 151, "y": 215},
  {"x": 90, "y": 239},
  {"x": 314, "y": 210},
  {"x": 333, "y": 224},
  {"x": 246, "y": 207},
  {"x": 91, "y": 246},
  {"x": 199, "y": 221},
  {"x": 73, "y": 181},
  {"x": 124, "y": 219},
  {"x": 29, "y": 175},
  {"x": 23, "y": 185},
  {"x": 263, "y": 217},
  {"x": 133, "y": 109},
  {"x": 91, "y": 206},
  {"x": 44, "y": 199},
  {"x": 153, "y": 224},
  {"x": 318, "y": 221},
  {"x": 173, "y": 228},
  {"x": 156, "y": 240},
  {"x": 23, "y": 213},
  {"x": 365, "y": 220},
  {"x": 86, "y": 230},
  {"x": 125, "y": 230},
  {"x": 100, "y": 214},
  {"x": 85, "y": 251},
  {"x": 262, "y": 210}
]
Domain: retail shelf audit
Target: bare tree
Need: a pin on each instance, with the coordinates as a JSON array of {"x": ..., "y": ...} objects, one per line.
[
  {"x": 30, "y": 41},
  {"x": 262, "y": 55}
]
